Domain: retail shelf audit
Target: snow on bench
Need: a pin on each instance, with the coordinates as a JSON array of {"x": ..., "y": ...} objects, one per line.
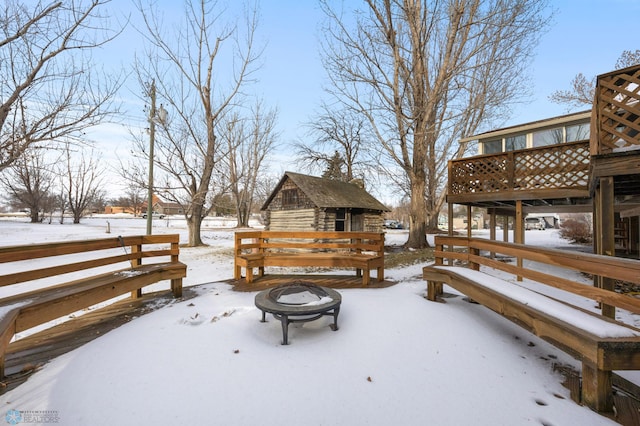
[
  {"x": 602, "y": 344},
  {"x": 563, "y": 312}
]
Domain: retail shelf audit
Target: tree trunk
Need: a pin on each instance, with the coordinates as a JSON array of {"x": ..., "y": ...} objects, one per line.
[
  {"x": 194, "y": 224},
  {"x": 417, "y": 217},
  {"x": 243, "y": 216},
  {"x": 35, "y": 217}
]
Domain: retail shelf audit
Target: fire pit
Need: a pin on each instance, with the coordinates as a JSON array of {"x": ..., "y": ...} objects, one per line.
[{"x": 299, "y": 302}]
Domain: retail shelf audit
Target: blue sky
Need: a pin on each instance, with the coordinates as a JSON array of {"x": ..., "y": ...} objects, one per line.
[{"x": 585, "y": 36}]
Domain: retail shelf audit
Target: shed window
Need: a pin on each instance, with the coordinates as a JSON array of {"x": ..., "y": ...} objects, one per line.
[
  {"x": 341, "y": 219},
  {"x": 289, "y": 197}
]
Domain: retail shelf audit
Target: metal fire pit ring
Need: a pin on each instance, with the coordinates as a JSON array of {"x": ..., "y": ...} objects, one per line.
[{"x": 299, "y": 302}]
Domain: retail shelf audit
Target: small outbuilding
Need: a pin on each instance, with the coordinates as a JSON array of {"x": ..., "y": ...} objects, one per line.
[{"x": 309, "y": 203}]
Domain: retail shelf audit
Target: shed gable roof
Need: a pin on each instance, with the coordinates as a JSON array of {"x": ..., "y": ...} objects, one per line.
[{"x": 329, "y": 193}]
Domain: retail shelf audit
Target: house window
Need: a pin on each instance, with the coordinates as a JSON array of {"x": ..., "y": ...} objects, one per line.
[
  {"x": 515, "y": 142},
  {"x": 548, "y": 137},
  {"x": 289, "y": 197},
  {"x": 492, "y": 147},
  {"x": 341, "y": 219},
  {"x": 578, "y": 132}
]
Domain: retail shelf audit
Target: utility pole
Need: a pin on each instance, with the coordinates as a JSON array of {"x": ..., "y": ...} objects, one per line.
[{"x": 152, "y": 136}]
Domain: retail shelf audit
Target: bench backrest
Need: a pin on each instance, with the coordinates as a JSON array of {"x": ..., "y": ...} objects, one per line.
[
  {"x": 21, "y": 264},
  {"x": 469, "y": 250},
  {"x": 308, "y": 241}
]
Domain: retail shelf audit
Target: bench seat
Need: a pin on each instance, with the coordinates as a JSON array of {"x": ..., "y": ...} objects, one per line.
[
  {"x": 602, "y": 344},
  {"x": 362, "y": 251},
  {"x": 362, "y": 262},
  {"x": 40, "y": 306},
  {"x": 24, "y": 310}
]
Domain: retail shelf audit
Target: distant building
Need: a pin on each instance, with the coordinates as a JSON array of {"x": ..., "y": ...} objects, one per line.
[{"x": 159, "y": 206}]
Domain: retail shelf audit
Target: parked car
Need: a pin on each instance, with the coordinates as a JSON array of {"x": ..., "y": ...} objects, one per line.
[
  {"x": 392, "y": 224},
  {"x": 154, "y": 215},
  {"x": 532, "y": 223}
]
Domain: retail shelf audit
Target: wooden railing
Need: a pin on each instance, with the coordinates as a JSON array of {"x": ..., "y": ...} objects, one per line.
[
  {"x": 471, "y": 252},
  {"x": 615, "y": 122},
  {"x": 561, "y": 166}
]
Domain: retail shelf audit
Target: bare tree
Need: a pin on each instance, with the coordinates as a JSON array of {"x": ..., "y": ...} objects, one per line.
[
  {"x": 582, "y": 89},
  {"x": 49, "y": 87},
  {"x": 82, "y": 182},
  {"x": 202, "y": 65},
  {"x": 249, "y": 142},
  {"x": 338, "y": 130},
  {"x": 28, "y": 183},
  {"x": 134, "y": 199},
  {"x": 426, "y": 73}
]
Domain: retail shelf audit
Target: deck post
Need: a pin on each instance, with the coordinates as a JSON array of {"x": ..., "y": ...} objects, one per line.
[
  {"x": 492, "y": 229},
  {"x": 518, "y": 231},
  {"x": 505, "y": 228},
  {"x": 596, "y": 388},
  {"x": 136, "y": 248},
  {"x": 606, "y": 236}
]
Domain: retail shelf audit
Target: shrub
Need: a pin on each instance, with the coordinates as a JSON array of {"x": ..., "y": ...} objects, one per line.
[{"x": 576, "y": 230}]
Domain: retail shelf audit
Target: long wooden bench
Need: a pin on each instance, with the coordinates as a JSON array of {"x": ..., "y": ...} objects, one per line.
[
  {"x": 363, "y": 251},
  {"x": 599, "y": 341},
  {"x": 43, "y": 282}
]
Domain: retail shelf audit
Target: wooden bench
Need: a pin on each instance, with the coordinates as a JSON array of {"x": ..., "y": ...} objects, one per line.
[
  {"x": 43, "y": 282},
  {"x": 363, "y": 251},
  {"x": 599, "y": 341}
]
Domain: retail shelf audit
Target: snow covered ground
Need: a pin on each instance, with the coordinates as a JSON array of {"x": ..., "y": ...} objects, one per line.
[{"x": 397, "y": 358}]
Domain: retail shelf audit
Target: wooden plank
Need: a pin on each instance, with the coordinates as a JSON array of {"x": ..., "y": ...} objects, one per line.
[
  {"x": 331, "y": 281},
  {"x": 36, "y": 251},
  {"x": 82, "y": 294},
  {"x": 600, "y": 295},
  {"x": 613, "y": 267},
  {"x": 23, "y": 356}
]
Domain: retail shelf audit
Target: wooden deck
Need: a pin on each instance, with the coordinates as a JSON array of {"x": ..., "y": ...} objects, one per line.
[
  {"x": 26, "y": 355},
  {"x": 331, "y": 281}
]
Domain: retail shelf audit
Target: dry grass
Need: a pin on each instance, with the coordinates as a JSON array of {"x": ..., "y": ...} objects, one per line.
[{"x": 404, "y": 257}]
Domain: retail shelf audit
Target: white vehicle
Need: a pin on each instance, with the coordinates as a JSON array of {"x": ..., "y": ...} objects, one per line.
[
  {"x": 531, "y": 223},
  {"x": 153, "y": 215}
]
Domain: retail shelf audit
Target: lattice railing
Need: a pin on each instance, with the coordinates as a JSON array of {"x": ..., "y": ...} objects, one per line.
[
  {"x": 616, "y": 112},
  {"x": 563, "y": 166}
]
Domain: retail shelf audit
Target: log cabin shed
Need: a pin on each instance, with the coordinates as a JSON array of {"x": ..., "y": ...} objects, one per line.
[{"x": 309, "y": 203}]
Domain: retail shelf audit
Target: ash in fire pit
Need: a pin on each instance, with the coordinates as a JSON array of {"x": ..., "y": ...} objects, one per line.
[{"x": 299, "y": 302}]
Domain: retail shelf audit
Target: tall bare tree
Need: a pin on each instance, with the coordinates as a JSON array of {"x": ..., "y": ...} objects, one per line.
[
  {"x": 425, "y": 73},
  {"x": 49, "y": 86},
  {"x": 28, "y": 182},
  {"x": 82, "y": 181},
  {"x": 202, "y": 65},
  {"x": 582, "y": 89},
  {"x": 249, "y": 141},
  {"x": 338, "y": 130}
]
